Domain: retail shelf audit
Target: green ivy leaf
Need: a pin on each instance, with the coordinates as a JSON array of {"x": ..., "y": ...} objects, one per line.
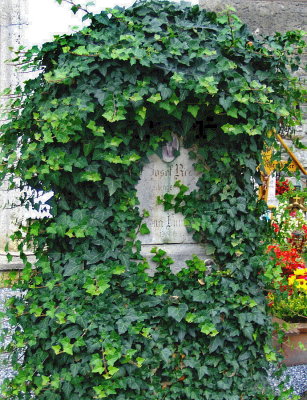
[
  {"x": 232, "y": 112},
  {"x": 208, "y": 329},
  {"x": 90, "y": 176},
  {"x": 178, "y": 313},
  {"x": 72, "y": 267},
  {"x": 154, "y": 98},
  {"x": 67, "y": 346},
  {"x": 166, "y": 354},
  {"x": 113, "y": 184},
  {"x": 144, "y": 230},
  {"x": 202, "y": 371},
  {"x": 193, "y": 109},
  {"x": 56, "y": 349}
]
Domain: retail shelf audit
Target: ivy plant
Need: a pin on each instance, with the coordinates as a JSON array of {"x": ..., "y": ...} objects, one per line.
[{"x": 90, "y": 322}]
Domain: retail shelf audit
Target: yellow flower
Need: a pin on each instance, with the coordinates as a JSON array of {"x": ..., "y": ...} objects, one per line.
[
  {"x": 302, "y": 284},
  {"x": 291, "y": 279},
  {"x": 301, "y": 271}
]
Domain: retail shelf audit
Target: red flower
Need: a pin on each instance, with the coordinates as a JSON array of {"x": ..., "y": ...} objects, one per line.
[
  {"x": 289, "y": 260},
  {"x": 282, "y": 187}
]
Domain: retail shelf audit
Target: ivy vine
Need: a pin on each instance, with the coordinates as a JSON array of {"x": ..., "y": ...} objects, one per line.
[{"x": 91, "y": 323}]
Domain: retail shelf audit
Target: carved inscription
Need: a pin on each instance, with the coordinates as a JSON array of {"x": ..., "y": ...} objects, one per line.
[{"x": 158, "y": 177}]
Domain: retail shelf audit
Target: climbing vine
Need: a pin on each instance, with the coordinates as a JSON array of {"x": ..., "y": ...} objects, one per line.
[{"x": 91, "y": 323}]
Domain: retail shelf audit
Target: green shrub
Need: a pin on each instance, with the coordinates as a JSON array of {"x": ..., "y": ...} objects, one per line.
[
  {"x": 291, "y": 308},
  {"x": 91, "y": 322}
]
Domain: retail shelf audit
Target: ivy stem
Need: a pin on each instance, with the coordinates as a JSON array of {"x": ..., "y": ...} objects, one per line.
[{"x": 77, "y": 5}]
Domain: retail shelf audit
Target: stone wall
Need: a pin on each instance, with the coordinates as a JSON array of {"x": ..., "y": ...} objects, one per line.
[
  {"x": 13, "y": 21},
  {"x": 264, "y": 17}
]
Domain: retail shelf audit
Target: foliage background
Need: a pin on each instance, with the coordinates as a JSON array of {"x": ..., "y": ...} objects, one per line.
[{"x": 91, "y": 322}]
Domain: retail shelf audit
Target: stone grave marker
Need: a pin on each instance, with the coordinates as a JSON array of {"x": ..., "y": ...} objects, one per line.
[{"x": 167, "y": 228}]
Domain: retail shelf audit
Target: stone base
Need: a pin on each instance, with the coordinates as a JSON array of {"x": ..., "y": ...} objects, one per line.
[
  {"x": 16, "y": 262},
  {"x": 178, "y": 252}
]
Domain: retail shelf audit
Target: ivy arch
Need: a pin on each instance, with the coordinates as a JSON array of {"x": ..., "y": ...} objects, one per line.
[{"x": 92, "y": 323}]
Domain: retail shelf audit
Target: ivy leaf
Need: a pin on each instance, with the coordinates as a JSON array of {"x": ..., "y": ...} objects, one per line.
[
  {"x": 154, "y": 98},
  {"x": 141, "y": 115},
  {"x": 112, "y": 370},
  {"x": 222, "y": 230},
  {"x": 90, "y": 176},
  {"x": 210, "y": 249},
  {"x": 225, "y": 102},
  {"x": 136, "y": 97},
  {"x": 140, "y": 361},
  {"x": 165, "y": 92},
  {"x": 203, "y": 370},
  {"x": 97, "y": 364},
  {"x": 67, "y": 347},
  {"x": 193, "y": 109},
  {"x": 144, "y": 230},
  {"x": 75, "y": 8},
  {"x": 122, "y": 326},
  {"x": 208, "y": 329},
  {"x": 186, "y": 125},
  {"x": 113, "y": 142},
  {"x": 87, "y": 148},
  {"x": 72, "y": 267},
  {"x": 56, "y": 349},
  {"x": 81, "y": 51},
  {"x": 165, "y": 354},
  {"x": 75, "y": 369},
  {"x": 232, "y": 112},
  {"x": 178, "y": 313},
  {"x": 113, "y": 184}
]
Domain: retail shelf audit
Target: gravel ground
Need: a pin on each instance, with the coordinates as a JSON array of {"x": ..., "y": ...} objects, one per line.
[
  {"x": 297, "y": 375},
  {"x": 5, "y": 370}
]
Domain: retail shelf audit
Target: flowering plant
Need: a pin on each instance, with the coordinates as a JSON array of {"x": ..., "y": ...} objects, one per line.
[
  {"x": 282, "y": 186},
  {"x": 289, "y": 260},
  {"x": 299, "y": 278},
  {"x": 286, "y": 222},
  {"x": 288, "y": 298},
  {"x": 290, "y": 307}
]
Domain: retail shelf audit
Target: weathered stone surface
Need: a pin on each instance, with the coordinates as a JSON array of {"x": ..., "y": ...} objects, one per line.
[
  {"x": 11, "y": 216},
  {"x": 13, "y": 20},
  {"x": 167, "y": 228},
  {"x": 272, "y": 199},
  {"x": 265, "y": 16},
  {"x": 16, "y": 263},
  {"x": 158, "y": 178}
]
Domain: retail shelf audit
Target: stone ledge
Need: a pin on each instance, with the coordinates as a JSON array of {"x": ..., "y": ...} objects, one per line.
[
  {"x": 179, "y": 252},
  {"x": 16, "y": 263}
]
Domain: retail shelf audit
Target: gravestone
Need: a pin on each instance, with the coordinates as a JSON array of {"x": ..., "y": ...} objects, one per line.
[
  {"x": 167, "y": 228},
  {"x": 272, "y": 200}
]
